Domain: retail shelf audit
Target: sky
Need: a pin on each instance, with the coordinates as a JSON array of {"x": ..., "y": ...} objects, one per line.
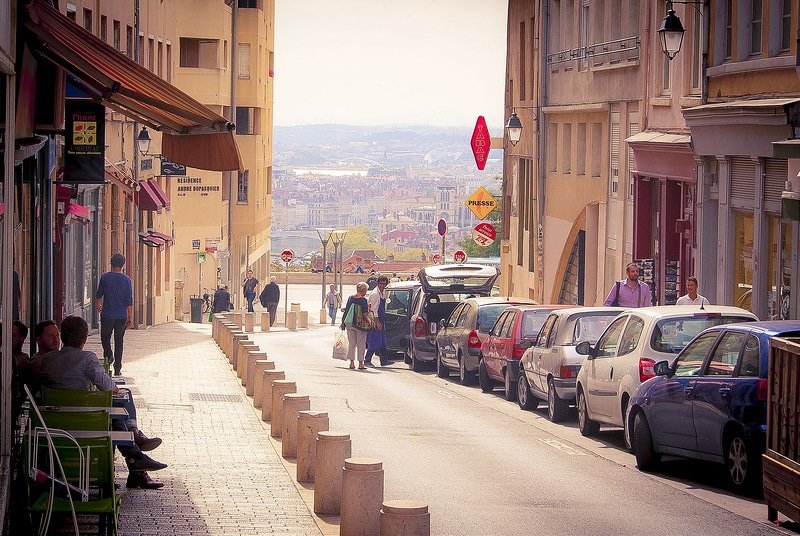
[{"x": 389, "y": 62}]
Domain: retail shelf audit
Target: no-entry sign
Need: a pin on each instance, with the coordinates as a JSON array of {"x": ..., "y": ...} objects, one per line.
[
  {"x": 484, "y": 234},
  {"x": 459, "y": 257},
  {"x": 287, "y": 255},
  {"x": 480, "y": 142}
]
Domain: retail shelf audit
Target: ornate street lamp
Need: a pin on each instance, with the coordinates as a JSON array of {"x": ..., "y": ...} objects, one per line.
[
  {"x": 671, "y": 34},
  {"x": 514, "y": 128},
  {"x": 324, "y": 234},
  {"x": 338, "y": 245},
  {"x": 143, "y": 141}
]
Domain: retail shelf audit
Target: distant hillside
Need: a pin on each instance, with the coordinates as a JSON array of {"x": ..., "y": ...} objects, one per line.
[{"x": 342, "y": 134}]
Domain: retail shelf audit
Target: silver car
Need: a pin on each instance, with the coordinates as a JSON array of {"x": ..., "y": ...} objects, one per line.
[{"x": 548, "y": 369}]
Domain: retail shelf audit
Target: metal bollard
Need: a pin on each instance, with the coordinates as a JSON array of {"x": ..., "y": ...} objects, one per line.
[
  {"x": 248, "y": 322},
  {"x": 303, "y": 320},
  {"x": 279, "y": 388},
  {"x": 250, "y": 379},
  {"x": 241, "y": 358},
  {"x": 291, "y": 320},
  {"x": 233, "y": 357},
  {"x": 293, "y": 404},
  {"x": 362, "y": 496},
  {"x": 333, "y": 448},
  {"x": 258, "y": 380},
  {"x": 405, "y": 518},
  {"x": 309, "y": 424},
  {"x": 269, "y": 378},
  {"x": 265, "y": 321}
]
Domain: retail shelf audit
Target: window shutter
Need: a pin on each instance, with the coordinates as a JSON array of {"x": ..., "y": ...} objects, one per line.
[
  {"x": 743, "y": 173},
  {"x": 244, "y": 60},
  {"x": 776, "y": 172}
]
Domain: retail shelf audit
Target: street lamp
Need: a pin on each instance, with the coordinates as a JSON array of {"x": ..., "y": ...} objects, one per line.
[
  {"x": 671, "y": 32},
  {"x": 324, "y": 234},
  {"x": 338, "y": 245},
  {"x": 514, "y": 128},
  {"x": 143, "y": 140}
]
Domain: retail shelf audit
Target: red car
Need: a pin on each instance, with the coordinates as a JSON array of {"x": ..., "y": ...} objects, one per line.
[{"x": 514, "y": 332}]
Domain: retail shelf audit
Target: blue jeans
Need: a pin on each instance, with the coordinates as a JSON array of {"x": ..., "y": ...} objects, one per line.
[
  {"x": 250, "y": 297},
  {"x": 332, "y": 313}
]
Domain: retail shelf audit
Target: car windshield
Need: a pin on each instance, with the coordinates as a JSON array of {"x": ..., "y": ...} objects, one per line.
[
  {"x": 487, "y": 315},
  {"x": 532, "y": 323},
  {"x": 671, "y": 335},
  {"x": 590, "y": 327}
]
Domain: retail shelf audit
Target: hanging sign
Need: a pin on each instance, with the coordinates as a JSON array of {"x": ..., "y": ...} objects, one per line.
[
  {"x": 84, "y": 142},
  {"x": 480, "y": 142},
  {"x": 484, "y": 234},
  {"x": 481, "y": 203}
]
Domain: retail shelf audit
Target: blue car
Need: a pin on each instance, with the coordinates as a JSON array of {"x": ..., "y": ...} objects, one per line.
[{"x": 710, "y": 403}]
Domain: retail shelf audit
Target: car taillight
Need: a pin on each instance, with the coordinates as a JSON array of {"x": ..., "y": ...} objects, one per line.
[
  {"x": 420, "y": 328},
  {"x": 567, "y": 371},
  {"x": 518, "y": 351},
  {"x": 762, "y": 390},
  {"x": 473, "y": 341},
  {"x": 646, "y": 368}
]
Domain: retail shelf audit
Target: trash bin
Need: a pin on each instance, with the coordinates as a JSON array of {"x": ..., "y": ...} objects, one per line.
[{"x": 197, "y": 309}]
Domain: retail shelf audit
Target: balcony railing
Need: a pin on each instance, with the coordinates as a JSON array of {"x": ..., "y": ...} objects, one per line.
[{"x": 617, "y": 50}]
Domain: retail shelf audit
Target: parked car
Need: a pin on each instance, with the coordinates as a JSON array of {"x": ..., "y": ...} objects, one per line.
[
  {"x": 415, "y": 308},
  {"x": 515, "y": 330},
  {"x": 625, "y": 354},
  {"x": 548, "y": 370},
  {"x": 458, "y": 342},
  {"x": 711, "y": 402}
]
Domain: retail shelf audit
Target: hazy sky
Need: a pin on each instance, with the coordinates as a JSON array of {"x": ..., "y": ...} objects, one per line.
[{"x": 389, "y": 62}]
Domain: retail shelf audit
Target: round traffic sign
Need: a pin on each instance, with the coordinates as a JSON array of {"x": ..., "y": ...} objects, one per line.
[
  {"x": 441, "y": 227},
  {"x": 436, "y": 258},
  {"x": 459, "y": 257},
  {"x": 484, "y": 234},
  {"x": 287, "y": 255}
]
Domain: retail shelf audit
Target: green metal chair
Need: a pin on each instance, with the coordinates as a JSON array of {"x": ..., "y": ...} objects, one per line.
[
  {"x": 73, "y": 420},
  {"x": 74, "y": 397}
]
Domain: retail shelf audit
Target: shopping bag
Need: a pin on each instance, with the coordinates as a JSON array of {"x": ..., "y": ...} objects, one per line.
[
  {"x": 210, "y": 316},
  {"x": 348, "y": 317},
  {"x": 340, "y": 346}
]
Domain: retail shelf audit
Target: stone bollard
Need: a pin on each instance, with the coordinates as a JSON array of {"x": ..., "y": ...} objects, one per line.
[
  {"x": 250, "y": 379},
  {"x": 225, "y": 337},
  {"x": 291, "y": 321},
  {"x": 215, "y": 329},
  {"x": 279, "y": 388},
  {"x": 233, "y": 357},
  {"x": 293, "y": 404},
  {"x": 303, "y": 321},
  {"x": 405, "y": 518},
  {"x": 269, "y": 378},
  {"x": 259, "y": 367},
  {"x": 323, "y": 316},
  {"x": 265, "y": 321},
  {"x": 295, "y": 308},
  {"x": 245, "y": 347},
  {"x": 333, "y": 448},
  {"x": 237, "y": 319},
  {"x": 309, "y": 424},
  {"x": 248, "y": 322},
  {"x": 362, "y": 496}
]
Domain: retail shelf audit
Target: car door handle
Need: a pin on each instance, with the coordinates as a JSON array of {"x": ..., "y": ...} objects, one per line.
[
  {"x": 611, "y": 373},
  {"x": 724, "y": 391},
  {"x": 688, "y": 391}
]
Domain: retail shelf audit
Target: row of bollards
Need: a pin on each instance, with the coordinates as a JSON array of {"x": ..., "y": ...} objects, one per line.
[{"x": 351, "y": 487}]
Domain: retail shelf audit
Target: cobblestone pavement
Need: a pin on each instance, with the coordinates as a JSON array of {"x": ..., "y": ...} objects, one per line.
[{"x": 224, "y": 476}]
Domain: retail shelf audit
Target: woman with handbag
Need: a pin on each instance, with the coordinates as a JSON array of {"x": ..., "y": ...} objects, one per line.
[{"x": 356, "y": 323}]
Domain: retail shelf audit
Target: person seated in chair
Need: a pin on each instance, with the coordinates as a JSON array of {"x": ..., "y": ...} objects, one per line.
[{"x": 72, "y": 367}]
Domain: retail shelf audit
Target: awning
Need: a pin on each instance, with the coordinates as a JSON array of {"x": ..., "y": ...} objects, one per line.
[
  {"x": 168, "y": 240},
  {"x": 2, "y": 208},
  {"x": 147, "y": 198},
  {"x": 79, "y": 211},
  {"x": 663, "y": 155},
  {"x": 150, "y": 240},
  {"x": 160, "y": 193},
  {"x": 27, "y": 147},
  {"x": 117, "y": 175},
  {"x": 193, "y": 135}
]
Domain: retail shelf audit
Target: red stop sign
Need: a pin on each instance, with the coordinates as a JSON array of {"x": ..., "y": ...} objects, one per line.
[
  {"x": 480, "y": 142},
  {"x": 459, "y": 257},
  {"x": 287, "y": 255}
]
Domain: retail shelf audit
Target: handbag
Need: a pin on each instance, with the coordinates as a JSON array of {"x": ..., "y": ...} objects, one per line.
[
  {"x": 348, "y": 316},
  {"x": 340, "y": 346}
]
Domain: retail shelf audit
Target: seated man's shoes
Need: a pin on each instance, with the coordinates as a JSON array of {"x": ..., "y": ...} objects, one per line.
[
  {"x": 145, "y": 444},
  {"x": 144, "y": 463},
  {"x": 140, "y": 479}
]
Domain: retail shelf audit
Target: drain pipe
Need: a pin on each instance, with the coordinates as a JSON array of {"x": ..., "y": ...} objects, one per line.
[{"x": 232, "y": 175}]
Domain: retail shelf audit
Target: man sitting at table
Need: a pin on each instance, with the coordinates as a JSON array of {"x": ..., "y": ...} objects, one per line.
[{"x": 71, "y": 367}]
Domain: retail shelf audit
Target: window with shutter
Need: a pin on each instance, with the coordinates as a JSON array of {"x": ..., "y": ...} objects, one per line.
[
  {"x": 743, "y": 177},
  {"x": 614, "y": 154},
  {"x": 244, "y": 61},
  {"x": 776, "y": 172}
]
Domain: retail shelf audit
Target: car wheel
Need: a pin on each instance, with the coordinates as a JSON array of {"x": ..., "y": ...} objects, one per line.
[
  {"x": 587, "y": 426},
  {"x": 465, "y": 376},
  {"x": 743, "y": 465},
  {"x": 510, "y": 389},
  {"x": 486, "y": 383},
  {"x": 441, "y": 370},
  {"x": 525, "y": 397},
  {"x": 646, "y": 457},
  {"x": 416, "y": 364},
  {"x": 556, "y": 407}
]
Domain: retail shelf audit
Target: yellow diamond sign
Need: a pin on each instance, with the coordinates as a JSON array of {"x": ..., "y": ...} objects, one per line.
[{"x": 481, "y": 203}]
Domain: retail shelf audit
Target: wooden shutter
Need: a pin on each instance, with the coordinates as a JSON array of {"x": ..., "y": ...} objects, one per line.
[
  {"x": 743, "y": 178},
  {"x": 776, "y": 172}
]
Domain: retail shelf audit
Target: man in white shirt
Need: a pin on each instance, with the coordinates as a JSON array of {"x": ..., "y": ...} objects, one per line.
[{"x": 692, "y": 297}]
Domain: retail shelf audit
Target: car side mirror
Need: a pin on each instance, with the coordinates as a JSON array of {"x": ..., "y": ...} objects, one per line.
[
  {"x": 443, "y": 322},
  {"x": 584, "y": 348},
  {"x": 662, "y": 368}
]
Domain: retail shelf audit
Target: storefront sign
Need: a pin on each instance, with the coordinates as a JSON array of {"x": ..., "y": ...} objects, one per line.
[
  {"x": 84, "y": 142},
  {"x": 196, "y": 187},
  {"x": 480, "y": 142},
  {"x": 481, "y": 203}
]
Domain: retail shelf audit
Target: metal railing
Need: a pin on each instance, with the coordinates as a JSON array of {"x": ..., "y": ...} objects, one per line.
[{"x": 622, "y": 47}]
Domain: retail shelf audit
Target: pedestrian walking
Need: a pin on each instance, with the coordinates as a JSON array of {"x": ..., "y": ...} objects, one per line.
[
  {"x": 222, "y": 300},
  {"x": 630, "y": 292},
  {"x": 376, "y": 338},
  {"x": 692, "y": 297},
  {"x": 114, "y": 302},
  {"x": 249, "y": 286},
  {"x": 270, "y": 297},
  {"x": 333, "y": 300},
  {"x": 354, "y": 322}
]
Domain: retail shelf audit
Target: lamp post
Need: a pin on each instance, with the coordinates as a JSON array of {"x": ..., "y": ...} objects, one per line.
[
  {"x": 671, "y": 32},
  {"x": 514, "y": 128},
  {"x": 324, "y": 234},
  {"x": 338, "y": 245}
]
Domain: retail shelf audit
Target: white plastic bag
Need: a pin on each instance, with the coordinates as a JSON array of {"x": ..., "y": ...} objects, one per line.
[{"x": 340, "y": 345}]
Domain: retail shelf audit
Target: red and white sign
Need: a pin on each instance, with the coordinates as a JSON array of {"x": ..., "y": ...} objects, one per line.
[
  {"x": 480, "y": 142},
  {"x": 436, "y": 258},
  {"x": 484, "y": 234},
  {"x": 287, "y": 255},
  {"x": 459, "y": 257}
]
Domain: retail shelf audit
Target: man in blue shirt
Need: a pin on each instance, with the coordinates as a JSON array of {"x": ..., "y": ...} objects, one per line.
[
  {"x": 630, "y": 292},
  {"x": 114, "y": 302}
]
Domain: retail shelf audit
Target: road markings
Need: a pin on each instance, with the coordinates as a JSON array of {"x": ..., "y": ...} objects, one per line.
[
  {"x": 446, "y": 394},
  {"x": 566, "y": 449}
]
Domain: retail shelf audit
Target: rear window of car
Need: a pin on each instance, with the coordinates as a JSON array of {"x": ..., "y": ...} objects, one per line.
[
  {"x": 589, "y": 328},
  {"x": 532, "y": 324},
  {"x": 671, "y": 335},
  {"x": 488, "y": 314}
]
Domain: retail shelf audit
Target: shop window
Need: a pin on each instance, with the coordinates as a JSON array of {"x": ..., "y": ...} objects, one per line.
[
  {"x": 743, "y": 259},
  {"x": 199, "y": 53}
]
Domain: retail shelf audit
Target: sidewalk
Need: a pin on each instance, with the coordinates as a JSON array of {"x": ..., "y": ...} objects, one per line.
[{"x": 224, "y": 476}]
